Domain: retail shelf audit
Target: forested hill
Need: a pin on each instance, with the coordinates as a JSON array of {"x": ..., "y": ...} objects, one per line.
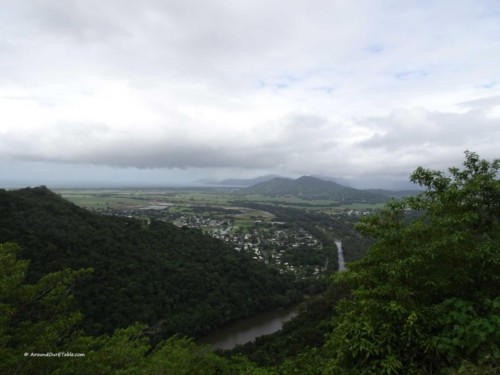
[
  {"x": 423, "y": 300},
  {"x": 307, "y": 187},
  {"x": 142, "y": 272}
]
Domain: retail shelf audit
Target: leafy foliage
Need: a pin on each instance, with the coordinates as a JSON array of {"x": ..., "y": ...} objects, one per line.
[
  {"x": 426, "y": 295},
  {"x": 40, "y": 318},
  {"x": 33, "y": 317}
]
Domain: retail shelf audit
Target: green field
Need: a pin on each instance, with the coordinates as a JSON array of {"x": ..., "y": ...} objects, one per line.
[{"x": 183, "y": 200}]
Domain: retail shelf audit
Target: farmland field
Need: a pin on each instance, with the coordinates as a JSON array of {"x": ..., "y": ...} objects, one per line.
[{"x": 102, "y": 199}]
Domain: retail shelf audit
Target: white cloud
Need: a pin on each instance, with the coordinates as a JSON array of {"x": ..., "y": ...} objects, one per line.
[{"x": 324, "y": 87}]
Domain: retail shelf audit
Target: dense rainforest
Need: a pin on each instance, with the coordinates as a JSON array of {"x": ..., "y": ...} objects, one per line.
[
  {"x": 178, "y": 280},
  {"x": 423, "y": 300}
]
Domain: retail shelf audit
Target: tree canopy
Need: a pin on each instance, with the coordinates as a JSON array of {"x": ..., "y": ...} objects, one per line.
[
  {"x": 179, "y": 279},
  {"x": 426, "y": 296}
]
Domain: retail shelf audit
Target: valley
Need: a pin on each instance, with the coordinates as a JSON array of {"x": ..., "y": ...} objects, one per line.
[
  {"x": 149, "y": 274},
  {"x": 268, "y": 228}
]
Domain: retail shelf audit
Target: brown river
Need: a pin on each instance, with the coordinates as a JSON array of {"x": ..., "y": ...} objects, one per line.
[{"x": 248, "y": 329}]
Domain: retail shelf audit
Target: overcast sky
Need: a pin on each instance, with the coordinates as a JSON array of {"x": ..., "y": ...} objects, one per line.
[{"x": 170, "y": 91}]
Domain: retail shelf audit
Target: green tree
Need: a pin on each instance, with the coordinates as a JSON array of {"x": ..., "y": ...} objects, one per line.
[
  {"x": 41, "y": 318},
  {"x": 34, "y": 318},
  {"x": 425, "y": 298}
]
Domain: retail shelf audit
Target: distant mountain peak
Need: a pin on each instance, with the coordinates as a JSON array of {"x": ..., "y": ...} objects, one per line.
[{"x": 309, "y": 187}]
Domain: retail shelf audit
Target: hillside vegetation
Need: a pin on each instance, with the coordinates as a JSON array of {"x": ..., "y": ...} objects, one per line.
[
  {"x": 180, "y": 280},
  {"x": 424, "y": 300}
]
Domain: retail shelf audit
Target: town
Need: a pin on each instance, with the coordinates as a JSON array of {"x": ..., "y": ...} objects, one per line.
[{"x": 287, "y": 246}]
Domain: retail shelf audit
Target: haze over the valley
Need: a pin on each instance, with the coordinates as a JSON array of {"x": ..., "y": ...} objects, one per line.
[{"x": 171, "y": 92}]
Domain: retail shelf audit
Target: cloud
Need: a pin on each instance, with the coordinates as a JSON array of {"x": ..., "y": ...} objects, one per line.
[
  {"x": 481, "y": 103},
  {"x": 335, "y": 88},
  {"x": 411, "y": 128}
]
